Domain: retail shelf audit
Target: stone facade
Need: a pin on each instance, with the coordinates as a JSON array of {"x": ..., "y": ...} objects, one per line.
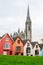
[
  {"x": 28, "y": 26},
  {"x": 27, "y": 34}
]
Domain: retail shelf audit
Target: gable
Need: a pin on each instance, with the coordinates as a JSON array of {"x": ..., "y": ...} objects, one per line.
[
  {"x": 7, "y": 38},
  {"x": 34, "y": 43},
  {"x": 28, "y": 43},
  {"x": 19, "y": 41},
  {"x": 41, "y": 45},
  {"x": 36, "y": 46}
]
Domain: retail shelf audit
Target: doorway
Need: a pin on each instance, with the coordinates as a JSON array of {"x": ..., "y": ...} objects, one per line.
[{"x": 4, "y": 52}]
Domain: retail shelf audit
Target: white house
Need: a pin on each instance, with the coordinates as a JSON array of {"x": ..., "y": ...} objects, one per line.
[
  {"x": 36, "y": 48},
  {"x": 31, "y": 48},
  {"x": 27, "y": 48}
]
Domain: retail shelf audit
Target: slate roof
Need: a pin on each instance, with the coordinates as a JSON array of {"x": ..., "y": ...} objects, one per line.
[
  {"x": 24, "y": 41},
  {"x": 41, "y": 46},
  {"x": 14, "y": 38},
  {"x": 33, "y": 43}
]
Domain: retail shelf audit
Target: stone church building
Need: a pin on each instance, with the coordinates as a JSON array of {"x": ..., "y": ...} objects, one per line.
[{"x": 26, "y": 35}]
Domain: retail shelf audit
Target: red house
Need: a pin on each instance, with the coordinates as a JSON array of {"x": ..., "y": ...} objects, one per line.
[{"x": 6, "y": 45}]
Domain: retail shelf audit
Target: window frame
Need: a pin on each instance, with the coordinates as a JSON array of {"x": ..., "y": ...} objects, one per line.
[
  {"x": 6, "y": 39},
  {"x": 7, "y": 46},
  {"x": 28, "y": 50},
  {"x": 18, "y": 48},
  {"x": 18, "y": 41},
  {"x": 36, "y": 46}
]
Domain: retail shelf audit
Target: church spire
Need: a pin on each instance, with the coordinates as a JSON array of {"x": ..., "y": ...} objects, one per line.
[
  {"x": 28, "y": 12},
  {"x": 28, "y": 15},
  {"x": 28, "y": 26}
]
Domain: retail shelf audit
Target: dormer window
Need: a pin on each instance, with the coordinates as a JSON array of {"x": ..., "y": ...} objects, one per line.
[{"x": 36, "y": 46}]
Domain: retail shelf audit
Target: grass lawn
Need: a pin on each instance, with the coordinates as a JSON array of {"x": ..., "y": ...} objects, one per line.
[{"x": 21, "y": 60}]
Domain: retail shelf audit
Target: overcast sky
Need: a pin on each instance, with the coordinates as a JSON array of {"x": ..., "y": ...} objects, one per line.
[{"x": 13, "y": 16}]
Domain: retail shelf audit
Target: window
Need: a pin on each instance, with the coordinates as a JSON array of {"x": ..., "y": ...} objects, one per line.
[
  {"x": 28, "y": 50},
  {"x": 7, "y": 38},
  {"x": 7, "y": 45},
  {"x": 36, "y": 52},
  {"x": 36, "y": 46},
  {"x": 28, "y": 27},
  {"x": 18, "y": 41},
  {"x": 28, "y": 44},
  {"x": 18, "y": 48}
]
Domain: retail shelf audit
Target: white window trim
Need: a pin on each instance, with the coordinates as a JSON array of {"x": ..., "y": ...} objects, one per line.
[{"x": 8, "y": 47}]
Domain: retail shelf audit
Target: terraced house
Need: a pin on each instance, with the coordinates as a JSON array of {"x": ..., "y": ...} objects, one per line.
[
  {"x": 32, "y": 48},
  {"x": 6, "y": 45},
  {"x": 17, "y": 46}
]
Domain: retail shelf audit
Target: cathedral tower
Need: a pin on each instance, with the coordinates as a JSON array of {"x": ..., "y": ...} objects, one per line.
[{"x": 28, "y": 26}]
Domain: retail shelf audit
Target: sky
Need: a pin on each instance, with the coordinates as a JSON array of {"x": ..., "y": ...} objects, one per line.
[{"x": 13, "y": 16}]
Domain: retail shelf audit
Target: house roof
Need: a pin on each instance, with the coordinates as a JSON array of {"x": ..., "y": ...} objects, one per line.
[
  {"x": 14, "y": 38},
  {"x": 8, "y": 35},
  {"x": 19, "y": 38},
  {"x": 34, "y": 43},
  {"x": 41, "y": 46},
  {"x": 24, "y": 41}
]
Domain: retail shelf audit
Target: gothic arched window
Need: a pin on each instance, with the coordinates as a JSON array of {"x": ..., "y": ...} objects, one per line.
[
  {"x": 28, "y": 50},
  {"x": 28, "y": 27}
]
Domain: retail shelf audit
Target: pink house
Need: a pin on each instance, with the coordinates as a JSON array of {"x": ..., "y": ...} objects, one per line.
[{"x": 6, "y": 45}]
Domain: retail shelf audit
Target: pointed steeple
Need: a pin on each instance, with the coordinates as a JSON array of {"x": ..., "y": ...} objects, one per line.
[
  {"x": 28, "y": 12},
  {"x": 28, "y": 15},
  {"x": 28, "y": 26}
]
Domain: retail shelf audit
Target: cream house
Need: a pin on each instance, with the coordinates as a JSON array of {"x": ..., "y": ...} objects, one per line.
[
  {"x": 31, "y": 48},
  {"x": 27, "y": 48},
  {"x": 36, "y": 48}
]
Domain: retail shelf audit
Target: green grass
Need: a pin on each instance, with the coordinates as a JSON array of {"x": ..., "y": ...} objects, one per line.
[{"x": 20, "y": 60}]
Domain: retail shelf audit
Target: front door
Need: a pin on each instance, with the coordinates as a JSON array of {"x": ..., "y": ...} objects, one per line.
[
  {"x": 4, "y": 52},
  {"x": 16, "y": 53},
  {"x": 10, "y": 52}
]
